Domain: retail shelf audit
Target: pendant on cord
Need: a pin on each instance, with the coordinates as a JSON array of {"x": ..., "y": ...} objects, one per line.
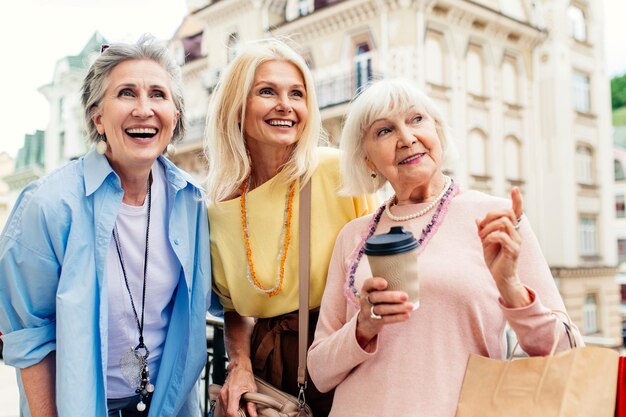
[{"x": 135, "y": 370}]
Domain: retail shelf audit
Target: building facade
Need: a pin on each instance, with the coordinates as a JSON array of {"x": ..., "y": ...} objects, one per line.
[
  {"x": 521, "y": 82},
  {"x": 65, "y": 132},
  {"x": 619, "y": 166},
  {"x": 7, "y": 165}
]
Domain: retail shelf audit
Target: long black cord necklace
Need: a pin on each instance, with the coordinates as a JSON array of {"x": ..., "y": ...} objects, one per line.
[{"x": 134, "y": 364}]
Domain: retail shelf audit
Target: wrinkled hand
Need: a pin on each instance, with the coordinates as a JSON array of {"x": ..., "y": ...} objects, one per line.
[
  {"x": 388, "y": 306},
  {"x": 240, "y": 380},
  {"x": 501, "y": 246}
]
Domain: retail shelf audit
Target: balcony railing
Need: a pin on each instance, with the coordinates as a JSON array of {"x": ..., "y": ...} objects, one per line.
[{"x": 333, "y": 91}]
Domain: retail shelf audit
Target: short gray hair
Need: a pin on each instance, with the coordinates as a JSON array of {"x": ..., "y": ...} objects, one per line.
[
  {"x": 379, "y": 100},
  {"x": 96, "y": 80}
]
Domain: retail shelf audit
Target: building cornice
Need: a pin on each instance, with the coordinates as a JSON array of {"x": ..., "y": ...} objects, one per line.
[
  {"x": 466, "y": 14},
  {"x": 224, "y": 9},
  {"x": 583, "y": 272},
  {"x": 330, "y": 19},
  {"x": 492, "y": 23}
]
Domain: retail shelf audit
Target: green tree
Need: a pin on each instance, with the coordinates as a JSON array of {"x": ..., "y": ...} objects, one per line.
[{"x": 618, "y": 92}]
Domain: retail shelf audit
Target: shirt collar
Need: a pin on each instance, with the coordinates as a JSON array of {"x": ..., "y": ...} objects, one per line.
[
  {"x": 97, "y": 169},
  {"x": 176, "y": 176}
]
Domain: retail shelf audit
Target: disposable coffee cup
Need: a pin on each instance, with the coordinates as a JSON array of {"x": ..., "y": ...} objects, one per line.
[{"x": 393, "y": 256}]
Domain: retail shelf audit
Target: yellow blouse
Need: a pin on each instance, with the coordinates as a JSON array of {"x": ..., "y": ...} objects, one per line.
[{"x": 266, "y": 205}]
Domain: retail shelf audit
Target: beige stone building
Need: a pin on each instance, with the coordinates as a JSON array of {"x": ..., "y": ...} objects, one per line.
[
  {"x": 521, "y": 82},
  {"x": 7, "y": 165}
]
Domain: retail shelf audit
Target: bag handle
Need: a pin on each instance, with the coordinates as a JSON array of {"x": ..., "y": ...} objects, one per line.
[
  {"x": 549, "y": 357},
  {"x": 304, "y": 271}
]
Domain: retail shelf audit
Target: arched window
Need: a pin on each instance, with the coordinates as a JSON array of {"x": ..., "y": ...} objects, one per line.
[
  {"x": 475, "y": 72},
  {"x": 477, "y": 153},
  {"x": 577, "y": 25},
  {"x": 233, "y": 45},
  {"x": 618, "y": 170},
  {"x": 512, "y": 159},
  {"x": 510, "y": 83},
  {"x": 363, "y": 65},
  {"x": 434, "y": 56},
  {"x": 584, "y": 164}
]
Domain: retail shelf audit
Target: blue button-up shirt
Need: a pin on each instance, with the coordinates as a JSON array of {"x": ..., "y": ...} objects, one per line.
[{"x": 53, "y": 294}]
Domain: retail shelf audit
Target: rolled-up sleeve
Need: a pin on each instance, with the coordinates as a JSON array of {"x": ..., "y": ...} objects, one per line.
[{"x": 28, "y": 283}]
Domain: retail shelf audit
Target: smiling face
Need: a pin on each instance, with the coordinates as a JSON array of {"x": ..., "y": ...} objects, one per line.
[
  {"x": 276, "y": 108},
  {"x": 137, "y": 114},
  {"x": 404, "y": 147}
]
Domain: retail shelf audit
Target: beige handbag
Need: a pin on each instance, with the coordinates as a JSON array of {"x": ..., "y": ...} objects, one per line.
[
  {"x": 580, "y": 382},
  {"x": 269, "y": 400}
]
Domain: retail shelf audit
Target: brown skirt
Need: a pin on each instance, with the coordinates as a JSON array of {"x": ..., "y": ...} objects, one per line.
[{"x": 274, "y": 354}]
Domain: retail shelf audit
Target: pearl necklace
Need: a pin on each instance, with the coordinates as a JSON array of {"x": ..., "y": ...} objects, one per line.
[
  {"x": 350, "y": 291},
  {"x": 420, "y": 212}
]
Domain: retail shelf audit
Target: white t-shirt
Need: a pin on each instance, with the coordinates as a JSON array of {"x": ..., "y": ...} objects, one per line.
[{"x": 162, "y": 277}]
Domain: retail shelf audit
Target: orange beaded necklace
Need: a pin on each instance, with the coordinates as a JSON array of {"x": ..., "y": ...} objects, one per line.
[{"x": 285, "y": 237}]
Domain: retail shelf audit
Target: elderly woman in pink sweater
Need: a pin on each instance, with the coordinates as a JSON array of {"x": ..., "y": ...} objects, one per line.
[{"x": 479, "y": 265}]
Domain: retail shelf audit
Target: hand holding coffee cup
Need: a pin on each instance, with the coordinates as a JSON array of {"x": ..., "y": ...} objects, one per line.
[
  {"x": 393, "y": 256},
  {"x": 379, "y": 307}
]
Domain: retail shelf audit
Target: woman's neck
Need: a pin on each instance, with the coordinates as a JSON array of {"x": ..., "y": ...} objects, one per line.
[
  {"x": 135, "y": 185},
  {"x": 267, "y": 163},
  {"x": 422, "y": 193}
]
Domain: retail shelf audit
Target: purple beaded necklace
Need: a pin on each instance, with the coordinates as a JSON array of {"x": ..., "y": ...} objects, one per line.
[{"x": 350, "y": 291}]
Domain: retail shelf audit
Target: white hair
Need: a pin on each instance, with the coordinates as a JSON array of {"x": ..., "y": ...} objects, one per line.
[{"x": 379, "y": 100}]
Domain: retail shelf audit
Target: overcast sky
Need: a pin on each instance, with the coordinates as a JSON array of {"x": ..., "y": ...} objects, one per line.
[{"x": 34, "y": 34}]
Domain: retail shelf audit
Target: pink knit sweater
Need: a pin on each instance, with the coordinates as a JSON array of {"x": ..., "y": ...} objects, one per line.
[{"x": 417, "y": 367}]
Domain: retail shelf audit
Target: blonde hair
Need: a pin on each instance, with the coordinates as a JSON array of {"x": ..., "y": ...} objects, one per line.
[
  {"x": 225, "y": 147},
  {"x": 379, "y": 100}
]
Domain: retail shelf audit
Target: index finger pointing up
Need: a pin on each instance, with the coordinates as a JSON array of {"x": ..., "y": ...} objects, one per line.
[{"x": 516, "y": 197}]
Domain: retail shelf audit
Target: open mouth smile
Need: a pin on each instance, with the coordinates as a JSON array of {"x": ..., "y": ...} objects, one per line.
[
  {"x": 280, "y": 123},
  {"x": 142, "y": 133},
  {"x": 412, "y": 159}
]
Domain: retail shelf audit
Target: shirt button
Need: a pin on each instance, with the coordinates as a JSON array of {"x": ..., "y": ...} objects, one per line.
[{"x": 176, "y": 241}]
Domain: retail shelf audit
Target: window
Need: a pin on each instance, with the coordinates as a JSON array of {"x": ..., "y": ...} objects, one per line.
[
  {"x": 621, "y": 252},
  {"x": 477, "y": 153},
  {"x": 509, "y": 82},
  {"x": 582, "y": 101},
  {"x": 475, "y": 72},
  {"x": 233, "y": 45},
  {"x": 435, "y": 70},
  {"x": 512, "y": 159},
  {"x": 590, "y": 315},
  {"x": 620, "y": 211},
  {"x": 584, "y": 165},
  {"x": 577, "y": 26},
  {"x": 363, "y": 63},
  {"x": 61, "y": 146},
  {"x": 618, "y": 170},
  {"x": 61, "y": 109},
  {"x": 587, "y": 232}
]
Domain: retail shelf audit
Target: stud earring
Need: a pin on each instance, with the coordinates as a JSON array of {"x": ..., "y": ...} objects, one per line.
[
  {"x": 170, "y": 150},
  {"x": 373, "y": 175},
  {"x": 101, "y": 145}
]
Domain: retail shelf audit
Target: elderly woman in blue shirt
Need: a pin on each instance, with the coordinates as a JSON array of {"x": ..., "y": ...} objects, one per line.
[{"x": 104, "y": 266}]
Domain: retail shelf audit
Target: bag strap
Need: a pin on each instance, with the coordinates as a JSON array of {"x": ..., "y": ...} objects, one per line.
[{"x": 304, "y": 273}]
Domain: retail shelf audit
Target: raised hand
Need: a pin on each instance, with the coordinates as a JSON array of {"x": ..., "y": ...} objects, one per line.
[{"x": 501, "y": 240}]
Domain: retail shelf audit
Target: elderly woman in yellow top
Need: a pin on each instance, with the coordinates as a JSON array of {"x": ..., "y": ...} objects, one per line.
[{"x": 262, "y": 146}]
